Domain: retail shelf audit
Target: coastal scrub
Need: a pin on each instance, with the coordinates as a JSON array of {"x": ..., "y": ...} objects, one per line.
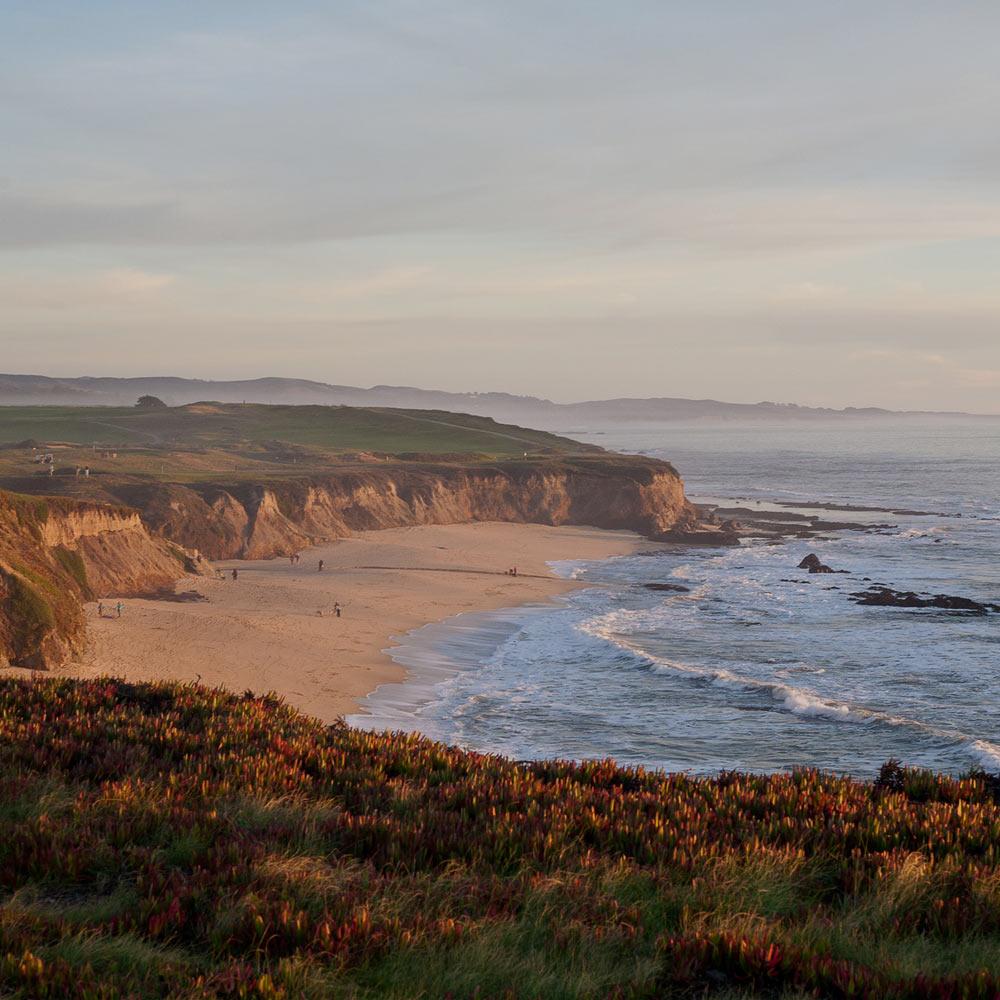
[{"x": 174, "y": 841}]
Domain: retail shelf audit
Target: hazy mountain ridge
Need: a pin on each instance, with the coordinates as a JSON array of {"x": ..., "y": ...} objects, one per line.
[{"x": 175, "y": 391}]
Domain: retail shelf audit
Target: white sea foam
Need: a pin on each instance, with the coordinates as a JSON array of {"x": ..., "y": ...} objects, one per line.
[
  {"x": 756, "y": 664},
  {"x": 987, "y": 754},
  {"x": 800, "y": 702},
  {"x": 920, "y": 533},
  {"x": 796, "y": 700}
]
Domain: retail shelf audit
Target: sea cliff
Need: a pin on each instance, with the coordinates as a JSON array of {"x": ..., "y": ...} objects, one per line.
[
  {"x": 54, "y": 554},
  {"x": 130, "y": 536},
  {"x": 264, "y": 519}
]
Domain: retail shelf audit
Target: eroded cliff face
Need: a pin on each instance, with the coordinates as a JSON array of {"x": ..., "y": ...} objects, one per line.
[
  {"x": 56, "y": 553},
  {"x": 258, "y": 521}
]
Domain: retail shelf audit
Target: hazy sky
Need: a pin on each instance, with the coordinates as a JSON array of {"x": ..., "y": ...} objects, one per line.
[{"x": 797, "y": 201}]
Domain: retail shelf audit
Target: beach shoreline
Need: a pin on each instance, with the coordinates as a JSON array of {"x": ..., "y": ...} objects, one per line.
[
  {"x": 435, "y": 654},
  {"x": 273, "y": 628}
]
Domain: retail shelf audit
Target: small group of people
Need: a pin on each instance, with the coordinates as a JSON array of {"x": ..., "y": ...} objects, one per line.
[
  {"x": 114, "y": 609},
  {"x": 512, "y": 571},
  {"x": 294, "y": 559},
  {"x": 336, "y": 609}
]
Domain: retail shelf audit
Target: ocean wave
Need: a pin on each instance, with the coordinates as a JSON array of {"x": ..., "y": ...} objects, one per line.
[
  {"x": 795, "y": 700},
  {"x": 799, "y": 668},
  {"x": 920, "y": 532},
  {"x": 987, "y": 754},
  {"x": 804, "y": 703}
]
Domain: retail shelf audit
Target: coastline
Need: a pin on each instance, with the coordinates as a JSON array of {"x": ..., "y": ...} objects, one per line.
[
  {"x": 273, "y": 629},
  {"x": 434, "y": 655}
]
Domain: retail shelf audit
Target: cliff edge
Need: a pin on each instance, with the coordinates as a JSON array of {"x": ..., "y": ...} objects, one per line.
[
  {"x": 265, "y": 519},
  {"x": 56, "y": 553}
]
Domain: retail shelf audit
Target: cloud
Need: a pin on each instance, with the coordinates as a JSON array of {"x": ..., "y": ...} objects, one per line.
[
  {"x": 128, "y": 282},
  {"x": 114, "y": 288},
  {"x": 979, "y": 377},
  {"x": 946, "y": 373},
  {"x": 719, "y": 181},
  {"x": 806, "y": 292},
  {"x": 30, "y": 220},
  {"x": 911, "y": 357}
]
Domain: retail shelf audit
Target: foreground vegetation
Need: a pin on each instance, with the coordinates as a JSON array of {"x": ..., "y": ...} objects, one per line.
[{"x": 171, "y": 841}]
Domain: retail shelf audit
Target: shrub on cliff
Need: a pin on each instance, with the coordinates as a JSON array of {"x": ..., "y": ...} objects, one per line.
[
  {"x": 72, "y": 563},
  {"x": 30, "y": 615},
  {"x": 40, "y": 588},
  {"x": 174, "y": 841}
]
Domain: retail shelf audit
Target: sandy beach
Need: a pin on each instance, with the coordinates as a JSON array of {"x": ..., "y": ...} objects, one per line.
[{"x": 273, "y": 629}]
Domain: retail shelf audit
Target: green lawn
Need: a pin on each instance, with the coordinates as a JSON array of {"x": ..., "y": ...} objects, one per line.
[{"x": 332, "y": 428}]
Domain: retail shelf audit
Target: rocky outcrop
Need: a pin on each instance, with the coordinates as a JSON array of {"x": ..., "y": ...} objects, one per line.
[
  {"x": 262, "y": 520},
  {"x": 814, "y": 564},
  {"x": 56, "y": 553},
  {"x": 886, "y": 597}
]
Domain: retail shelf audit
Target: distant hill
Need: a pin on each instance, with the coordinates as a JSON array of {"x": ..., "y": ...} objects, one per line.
[{"x": 91, "y": 391}]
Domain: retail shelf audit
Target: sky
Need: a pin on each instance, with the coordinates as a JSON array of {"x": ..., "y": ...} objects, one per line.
[{"x": 787, "y": 200}]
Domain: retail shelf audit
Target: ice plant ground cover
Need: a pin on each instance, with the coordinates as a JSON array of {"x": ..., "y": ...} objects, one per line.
[{"x": 174, "y": 841}]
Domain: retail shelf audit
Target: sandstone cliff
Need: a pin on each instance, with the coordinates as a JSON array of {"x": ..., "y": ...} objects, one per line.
[
  {"x": 56, "y": 553},
  {"x": 262, "y": 520}
]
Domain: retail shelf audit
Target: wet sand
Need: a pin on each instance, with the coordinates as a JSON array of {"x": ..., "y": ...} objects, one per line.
[{"x": 274, "y": 629}]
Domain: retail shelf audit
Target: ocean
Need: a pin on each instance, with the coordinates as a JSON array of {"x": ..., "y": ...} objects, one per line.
[{"x": 757, "y": 666}]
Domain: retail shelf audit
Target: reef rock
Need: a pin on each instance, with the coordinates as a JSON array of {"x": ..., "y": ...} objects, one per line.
[{"x": 885, "y": 597}]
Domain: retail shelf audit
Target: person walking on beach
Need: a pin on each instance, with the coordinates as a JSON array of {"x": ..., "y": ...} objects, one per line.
[
  {"x": 100, "y": 609},
  {"x": 336, "y": 608},
  {"x": 235, "y": 573},
  {"x": 320, "y": 570},
  {"x": 119, "y": 607}
]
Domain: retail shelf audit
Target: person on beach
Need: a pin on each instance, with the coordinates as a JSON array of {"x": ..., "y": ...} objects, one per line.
[
  {"x": 320, "y": 566},
  {"x": 336, "y": 609},
  {"x": 119, "y": 607},
  {"x": 100, "y": 609},
  {"x": 235, "y": 574},
  {"x": 291, "y": 559}
]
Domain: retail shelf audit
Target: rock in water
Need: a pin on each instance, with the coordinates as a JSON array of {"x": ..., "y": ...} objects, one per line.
[
  {"x": 885, "y": 597},
  {"x": 813, "y": 563}
]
